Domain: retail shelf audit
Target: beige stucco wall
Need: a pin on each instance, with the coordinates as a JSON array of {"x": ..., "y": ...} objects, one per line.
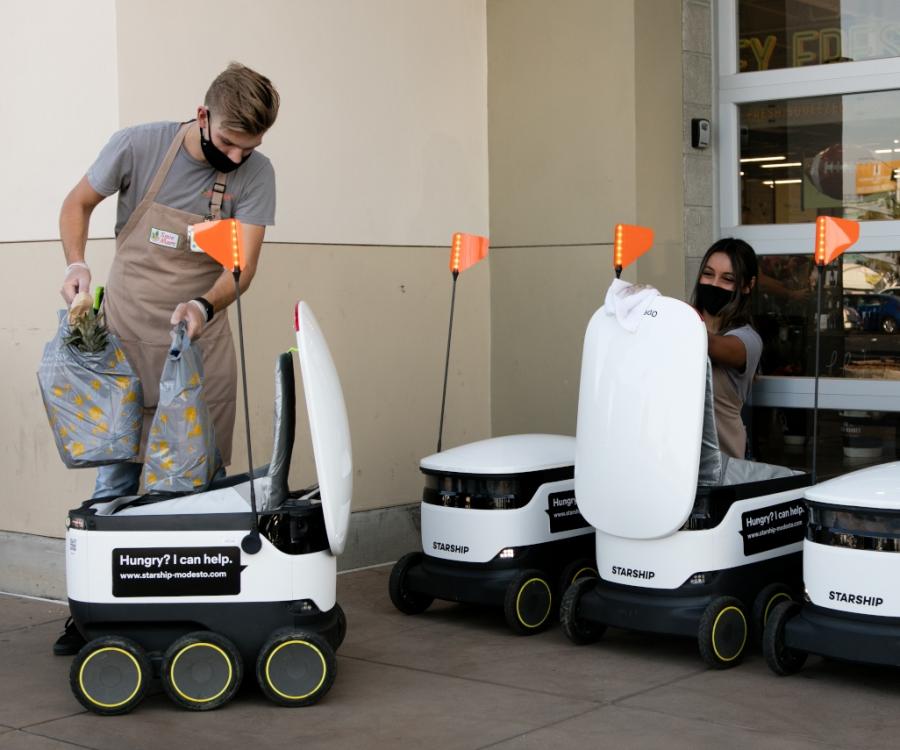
[
  {"x": 380, "y": 153},
  {"x": 658, "y": 159},
  {"x": 584, "y": 109}
]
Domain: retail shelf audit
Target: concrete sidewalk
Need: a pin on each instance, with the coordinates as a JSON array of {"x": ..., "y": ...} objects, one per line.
[{"x": 455, "y": 677}]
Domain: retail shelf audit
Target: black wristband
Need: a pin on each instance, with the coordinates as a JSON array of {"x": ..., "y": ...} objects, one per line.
[{"x": 207, "y": 306}]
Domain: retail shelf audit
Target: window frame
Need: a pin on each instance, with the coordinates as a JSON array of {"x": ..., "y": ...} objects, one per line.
[{"x": 734, "y": 89}]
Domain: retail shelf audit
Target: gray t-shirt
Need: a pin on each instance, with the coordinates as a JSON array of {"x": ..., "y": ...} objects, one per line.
[
  {"x": 743, "y": 380},
  {"x": 129, "y": 161}
]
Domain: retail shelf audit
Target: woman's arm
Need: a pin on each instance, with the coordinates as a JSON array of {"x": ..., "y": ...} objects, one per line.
[{"x": 728, "y": 351}]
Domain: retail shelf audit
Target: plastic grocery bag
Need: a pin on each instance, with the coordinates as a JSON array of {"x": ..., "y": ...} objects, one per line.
[
  {"x": 93, "y": 400},
  {"x": 181, "y": 446}
]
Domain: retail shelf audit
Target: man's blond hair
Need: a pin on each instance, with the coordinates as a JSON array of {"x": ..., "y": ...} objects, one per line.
[{"x": 243, "y": 100}]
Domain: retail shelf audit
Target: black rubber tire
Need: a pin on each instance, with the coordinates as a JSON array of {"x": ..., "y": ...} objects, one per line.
[
  {"x": 408, "y": 602},
  {"x": 341, "y": 628},
  {"x": 765, "y": 601},
  {"x": 723, "y": 632},
  {"x": 577, "y": 629},
  {"x": 583, "y": 567},
  {"x": 201, "y": 671},
  {"x": 781, "y": 659},
  {"x": 110, "y": 675},
  {"x": 528, "y": 604},
  {"x": 296, "y": 668}
]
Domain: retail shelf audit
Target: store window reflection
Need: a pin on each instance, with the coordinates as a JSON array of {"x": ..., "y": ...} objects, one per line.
[
  {"x": 827, "y": 155},
  {"x": 847, "y": 439},
  {"x": 859, "y": 321},
  {"x": 799, "y": 33}
]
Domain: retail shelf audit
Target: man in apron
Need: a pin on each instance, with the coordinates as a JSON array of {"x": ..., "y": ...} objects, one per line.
[{"x": 170, "y": 175}]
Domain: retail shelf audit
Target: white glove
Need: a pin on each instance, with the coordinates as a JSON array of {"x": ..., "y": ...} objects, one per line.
[
  {"x": 77, "y": 279},
  {"x": 191, "y": 313}
]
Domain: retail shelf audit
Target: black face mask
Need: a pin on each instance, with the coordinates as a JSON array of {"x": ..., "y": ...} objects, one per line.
[
  {"x": 712, "y": 298},
  {"x": 216, "y": 158}
]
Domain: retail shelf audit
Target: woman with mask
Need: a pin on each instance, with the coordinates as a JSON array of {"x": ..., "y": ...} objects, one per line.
[{"x": 728, "y": 273}]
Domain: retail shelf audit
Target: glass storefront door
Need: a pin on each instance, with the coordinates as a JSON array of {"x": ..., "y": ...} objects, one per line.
[{"x": 809, "y": 125}]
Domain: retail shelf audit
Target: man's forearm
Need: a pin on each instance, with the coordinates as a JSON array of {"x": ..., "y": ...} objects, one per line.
[
  {"x": 221, "y": 294},
  {"x": 73, "y": 230}
]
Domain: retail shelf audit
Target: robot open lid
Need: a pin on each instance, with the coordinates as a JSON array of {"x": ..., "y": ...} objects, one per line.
[
  {"x": 164, "y": 586},
  {"x": 689, "y": 541}
]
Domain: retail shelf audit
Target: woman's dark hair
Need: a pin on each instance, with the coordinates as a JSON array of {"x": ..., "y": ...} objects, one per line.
[{"x": 745, "y": 268}]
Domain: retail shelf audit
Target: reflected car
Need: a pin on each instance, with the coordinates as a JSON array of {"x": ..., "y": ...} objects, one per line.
[{"x": 877, "y": 312}]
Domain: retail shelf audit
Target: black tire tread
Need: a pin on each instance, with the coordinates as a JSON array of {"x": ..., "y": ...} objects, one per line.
[
  {"x": 579, "y": 631},
  {"x": 408, "y": 602}
]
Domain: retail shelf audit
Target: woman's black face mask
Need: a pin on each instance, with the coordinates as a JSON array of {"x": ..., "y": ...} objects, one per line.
[
  {"x": 712, "y": 298},
  {"x": 217, "y": 159}
]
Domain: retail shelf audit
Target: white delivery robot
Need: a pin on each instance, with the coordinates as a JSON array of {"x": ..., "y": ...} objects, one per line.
[
  {"x": 689, "y": 541},
  {"x": 500, "y": 526},
  {"x": 192, "y": 590},
  {"x": 851, "y": 609}
]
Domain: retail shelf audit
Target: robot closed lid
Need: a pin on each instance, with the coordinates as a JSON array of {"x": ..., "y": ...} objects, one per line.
[
  {"x": 509, "y": 454},
  {"x": 640, "y": 420},
  {"x": 876, "y": 487},
  {"x": 328, "y": 426}
]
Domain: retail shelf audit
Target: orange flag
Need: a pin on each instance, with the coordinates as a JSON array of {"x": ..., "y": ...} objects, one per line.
[
  {"x": 466, "y": 250},
  {"x": 221, "y": 240},
  {"x": 631, "y": 243},
  {"x": 833, "y": 236}
]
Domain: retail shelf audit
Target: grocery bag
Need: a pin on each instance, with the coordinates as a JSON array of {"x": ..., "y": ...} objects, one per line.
[
  {"x": 181, "y": 446},
  {"x": 93, "y": 397}
]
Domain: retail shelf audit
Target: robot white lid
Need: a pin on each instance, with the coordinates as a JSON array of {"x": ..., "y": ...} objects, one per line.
[
  {"x": 328, "y": 426},
  {"x": 509, "y": 454},
  {"x": 640, "y": 420},
  {"x": 875, "y": 487}
]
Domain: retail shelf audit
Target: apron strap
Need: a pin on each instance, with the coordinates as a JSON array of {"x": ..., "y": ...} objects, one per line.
[
  {"x": 218, "y": 192},
  {"x": 218, "y": 195}
]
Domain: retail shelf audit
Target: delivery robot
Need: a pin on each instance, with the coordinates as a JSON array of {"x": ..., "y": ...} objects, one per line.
[
  {"x": 196, "y": 589},
  {"x": 851, "y": 607},
  {"x": 500, "y": 526},
  {"x": 689, "y": 541}
]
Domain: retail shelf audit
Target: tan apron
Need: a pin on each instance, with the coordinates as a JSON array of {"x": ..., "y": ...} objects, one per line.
[
  {"x": 148, "y": 281},
  {"x": 728, "y": 405}
]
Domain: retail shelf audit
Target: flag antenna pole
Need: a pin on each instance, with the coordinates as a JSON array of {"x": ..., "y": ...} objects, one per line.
[
  {"x": 833, "y": 237},
  {"x": 818, "y": 318},
  {"x": 251, "y": 544},
  {"x": 447, "y": 362},
  {"x": 221, "y": 239}
]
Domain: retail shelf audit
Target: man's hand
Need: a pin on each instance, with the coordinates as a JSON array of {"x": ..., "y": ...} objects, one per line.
[
  {"x": 77, "y": 279},
  {"x": 193, "y": 315}
]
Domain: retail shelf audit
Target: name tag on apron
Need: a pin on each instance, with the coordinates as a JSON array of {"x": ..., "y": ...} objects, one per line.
[{"x": 162, "y": 238}]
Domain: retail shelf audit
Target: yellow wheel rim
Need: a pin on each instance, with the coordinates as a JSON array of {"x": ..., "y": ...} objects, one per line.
[
  {"x": 137, "y": 669},
  {"x": 296, "y": 643},
  {"x": 771, "y": 603},
  {"x": 743, "y": 640},
  {"x": 203, "y": 644},
  {"x": 581, "y": 571},
  {"x": 522, "y": 588}
]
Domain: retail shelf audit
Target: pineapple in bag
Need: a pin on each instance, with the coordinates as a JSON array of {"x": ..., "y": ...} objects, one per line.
[{"x": 87, "y": 331}]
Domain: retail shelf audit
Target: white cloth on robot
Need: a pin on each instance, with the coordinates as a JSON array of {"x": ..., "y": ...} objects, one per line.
[{"x": 628, "y": 302}]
